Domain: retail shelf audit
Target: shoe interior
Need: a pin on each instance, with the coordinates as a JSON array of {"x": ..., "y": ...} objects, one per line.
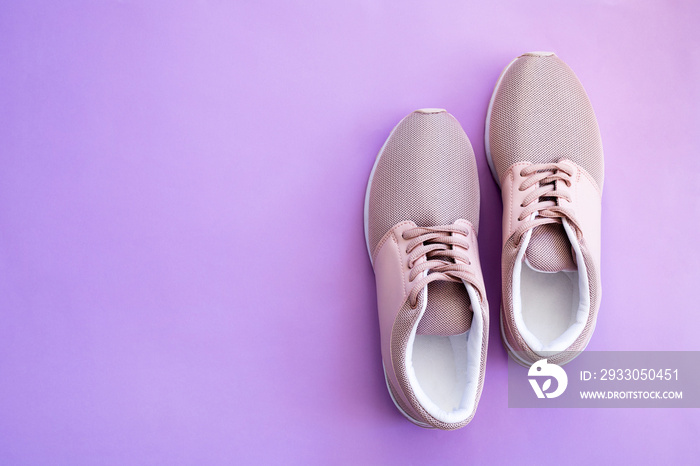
[
  {"x": 550, "y": 302},
  {"x": 440, "y": 364},
  {"x": 445, "y": 371}
]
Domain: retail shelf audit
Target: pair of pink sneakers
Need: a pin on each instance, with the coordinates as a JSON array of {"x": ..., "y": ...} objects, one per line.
[{"x": 421, "y": 224}]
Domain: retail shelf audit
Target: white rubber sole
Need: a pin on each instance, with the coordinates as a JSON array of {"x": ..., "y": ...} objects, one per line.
[
  {"x": 487, "y": 146},
  {"x": 509, "y": 349},
  {"x": 489, "y": 159},
  {"x": 374, "y": 167},
  {"x": 487, "y": 126},
  {"x": 405, "y": 414},
  {"x": 369, "y": 252},
  {"x": 369, "y": 186}
]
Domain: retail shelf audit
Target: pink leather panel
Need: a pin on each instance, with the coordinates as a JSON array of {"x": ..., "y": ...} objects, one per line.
[
  {"x": 391, "y": 276},
  {"x": 588, "y": 211}
]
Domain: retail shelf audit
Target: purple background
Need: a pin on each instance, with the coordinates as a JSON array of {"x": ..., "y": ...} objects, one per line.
[{"x": 183, "y": 273}]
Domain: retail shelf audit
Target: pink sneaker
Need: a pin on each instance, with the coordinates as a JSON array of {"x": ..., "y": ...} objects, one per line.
[
  {"x": 543, "y": 146},
  {"x": 421, "y": 222}
]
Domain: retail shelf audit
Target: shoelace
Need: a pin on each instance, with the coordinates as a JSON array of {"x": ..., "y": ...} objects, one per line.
[
  {"x": 544, "y": 200},
  {"x": 436, "y": 245}
]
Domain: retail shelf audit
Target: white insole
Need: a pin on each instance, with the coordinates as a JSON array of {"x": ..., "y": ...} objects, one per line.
[
  {"x": 549, "y": 302},
  {"x": 440, "y": 364}
]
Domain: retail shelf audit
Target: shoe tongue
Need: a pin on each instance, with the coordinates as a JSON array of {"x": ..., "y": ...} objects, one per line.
[
  {"x": 448, "y": 312},
  {"x": 549, "y": 249}
]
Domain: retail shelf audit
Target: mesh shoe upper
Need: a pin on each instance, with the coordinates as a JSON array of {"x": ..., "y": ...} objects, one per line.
[
  {"x": 422, "y": 212},
  {"x": 540, "y": 114},
  {"x": 427, "y": 174}
]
